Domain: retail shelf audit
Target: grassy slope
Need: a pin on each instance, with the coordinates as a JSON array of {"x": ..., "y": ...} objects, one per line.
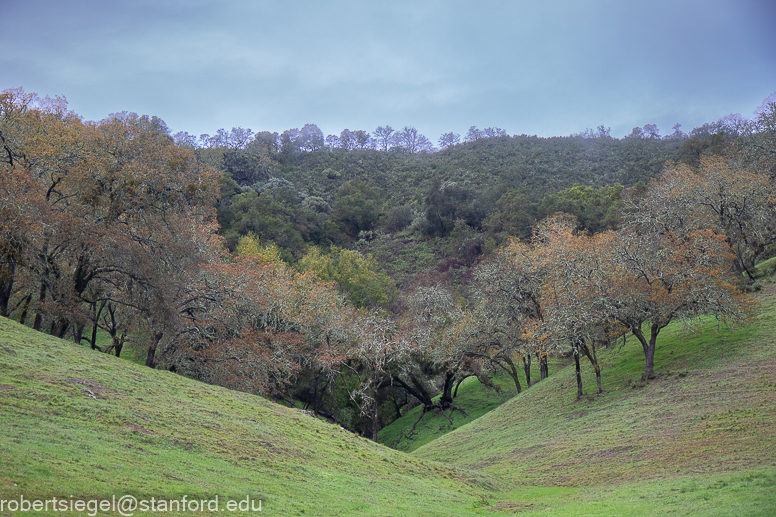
[
  {"x": 701, "y": 438},
  {"x": 698, "y": 440},
  {"x": 473, "y": 397},
  {"x": 154, "y": 433}
]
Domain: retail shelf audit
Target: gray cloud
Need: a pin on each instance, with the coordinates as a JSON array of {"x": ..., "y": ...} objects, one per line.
[{"x": 543, "y": 67}]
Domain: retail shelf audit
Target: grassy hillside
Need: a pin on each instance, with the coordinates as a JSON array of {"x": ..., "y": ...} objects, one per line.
[
  {"x": 473, "y": 397},
  {"x": 701, "y": 438},
  {"x": 82, "y": 424}
]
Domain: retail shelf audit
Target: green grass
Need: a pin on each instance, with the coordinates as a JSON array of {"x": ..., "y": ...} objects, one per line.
[
  {"x": 700, "y": 439},
  {"x": 473, "y": 397},
  {"x": 735, "y": 494},
  {"x": 765, "y": 268},
  {"x": 697, "y": 440},
  {"x": 78, "y": 423},
  {"x": 764, "y": 275},
  {"x": 132, "y": 351}
]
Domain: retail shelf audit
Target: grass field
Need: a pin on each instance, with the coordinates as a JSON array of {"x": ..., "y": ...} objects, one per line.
[
  {"x": 82, "y": 424},
  {"x": 473, "y": 397},
  {"x": 700, "y": 439}
]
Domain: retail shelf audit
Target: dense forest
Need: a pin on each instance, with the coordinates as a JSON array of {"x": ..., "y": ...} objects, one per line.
[{"x": 365, "y": 273}]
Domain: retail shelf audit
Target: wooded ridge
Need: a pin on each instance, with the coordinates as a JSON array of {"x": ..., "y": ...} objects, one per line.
[{"x": 361, "y": 275}]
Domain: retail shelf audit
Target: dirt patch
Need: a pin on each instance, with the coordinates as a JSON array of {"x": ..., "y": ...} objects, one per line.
[
  {"x": 137, "y": 428},
  {"x": 91, "y": 388},
  {"x": 512, "y": 507},
  {"x": 91, "y": 384},
  {"x": 7, "y": 387},
  {"x": 614, "y": 452}
]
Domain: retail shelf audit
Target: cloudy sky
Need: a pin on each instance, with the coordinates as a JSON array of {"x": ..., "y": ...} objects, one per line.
[{"x": 544, "y": 67}]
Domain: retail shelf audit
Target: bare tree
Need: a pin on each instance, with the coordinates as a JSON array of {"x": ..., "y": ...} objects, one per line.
[
  {"x": 384, "y": 137},
  {"x": 449, "y": 139}
]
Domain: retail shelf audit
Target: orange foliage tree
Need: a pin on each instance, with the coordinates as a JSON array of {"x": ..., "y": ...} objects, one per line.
[
  {"x": 417, "y": 353},
  {"x": 501, "y": 326},
  {"x": 259, "y": 324},
  {"x": 643, "y": 275},
  {"x": 98, "y": 212},
  {"x": 716, "y": 195},
  {"x": 659, "y": 277},
  {"x": 578, "y": 269}
]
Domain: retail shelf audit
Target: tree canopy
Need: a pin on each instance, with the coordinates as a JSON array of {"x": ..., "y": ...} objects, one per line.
[{"x": 355, "y": 271}]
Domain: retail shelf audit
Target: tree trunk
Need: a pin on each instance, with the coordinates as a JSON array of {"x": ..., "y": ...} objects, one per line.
[
  {"x": 151, "y": 356},
  {"x": 513, "y": 373},
  {"x": 649, "y": 349},
  {"x": 94, "y": 337},
  {"x": 118, "y": 344},
  {"x": 589, "y": 352},
  {"x": 649, "y": 355},
  {"x": 78, "y": 331},
  {"x": 527, "y": 368},
  {"x": 375, "y": 421},
  {"x": 544, "y": 369},
  {"x": 59, "y": 327},
  {"x": 575, "y": 348},
  {"x": 447, "y": 391},
  {"x": 36, "y": 325},
  {"x": 598, "y": 380},
  {"x": 740, "y": 263},
  {"x": 396, "y": 407},
  {"x": 457, "y": 384},
  {"x": 501, "y": 359},
  {"x": 416, "y": 389},
  {"x": 6, "y": 287},
  {"x": 25, "y": 309},
  {"x": 96, "y": 323}
]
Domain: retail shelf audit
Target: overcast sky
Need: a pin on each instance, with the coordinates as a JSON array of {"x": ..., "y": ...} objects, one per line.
[{"x": 544, "y": 67}]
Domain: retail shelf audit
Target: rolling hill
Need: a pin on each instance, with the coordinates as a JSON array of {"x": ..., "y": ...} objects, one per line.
[
  {"x": 700, "y": 439},
  {"x": 82, "y": 425}
]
